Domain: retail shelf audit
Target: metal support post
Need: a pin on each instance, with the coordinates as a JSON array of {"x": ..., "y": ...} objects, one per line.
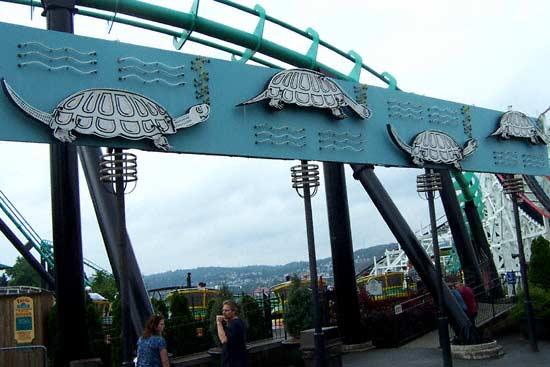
[
  {"x": 67, "y": 237},
  {"x": 305, "y": 176},
  {"x": 429, "y": 183},
  {"x": 513, "y": 186}
]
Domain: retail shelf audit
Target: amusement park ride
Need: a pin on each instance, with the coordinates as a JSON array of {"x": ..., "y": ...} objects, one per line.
[{"x": 95, "y": 93}]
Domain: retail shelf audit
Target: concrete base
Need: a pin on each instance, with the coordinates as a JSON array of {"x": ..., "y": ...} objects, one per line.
[
  {"x": 477, "y": 351},
  {"x": 92, "y": 362},
  {"x": 361, "y": 347}
]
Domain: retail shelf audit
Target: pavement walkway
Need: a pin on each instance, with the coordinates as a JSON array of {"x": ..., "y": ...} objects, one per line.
[{"x": 424, "y": 351}]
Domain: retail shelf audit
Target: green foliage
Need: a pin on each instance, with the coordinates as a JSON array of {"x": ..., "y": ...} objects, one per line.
[
  {"x": 540, "y": 299},
  {"x": 215, "y": 308},
  {"x": 21, "y": 273},
  {"x": 159, "y": 307},
  {"x": 299, "y": 308},
  {"x": 253, "y": 318},
  {"x": 104, "y": 284},
  {"x": 116, "y": 332},
  {"x": 539, "y": 269},
  {"x": 3, "y": 280},
  {"x": 180, "y": 329},
  {"x": 93, "y": 324}
]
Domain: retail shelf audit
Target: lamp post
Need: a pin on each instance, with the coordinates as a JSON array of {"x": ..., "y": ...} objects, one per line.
[
  {"x": 428, "y": 183},
  {"x": 117, "y": 169},
  {"x": 304, "y": 177},
  {"x": 513, "y": 185}
]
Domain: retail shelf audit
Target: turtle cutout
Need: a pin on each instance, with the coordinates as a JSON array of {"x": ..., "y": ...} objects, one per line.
[
  {"x": 434, "y": 146},
  {"x": 109, "y": 113},
  {"x": 515, "y": 124},
  {"x": 307, "y": 88}
]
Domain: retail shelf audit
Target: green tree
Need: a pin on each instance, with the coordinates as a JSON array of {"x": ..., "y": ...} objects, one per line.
[
  {"x": 3, "y": 280},
  {"x": 298, "y": 311},
  {"x": 21, "y": 273},
  {"x": 180, "y": 327},
  {"x": 253, "y": 318},
  {"x": 215, "y": 308},
  {"x": 159, "y": 307},
  {"x": 104, "y": 284},
  {"x": 539, "y": 270}
]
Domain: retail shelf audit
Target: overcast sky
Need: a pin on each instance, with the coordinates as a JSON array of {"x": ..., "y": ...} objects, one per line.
[{"x": 189, "y": 210}]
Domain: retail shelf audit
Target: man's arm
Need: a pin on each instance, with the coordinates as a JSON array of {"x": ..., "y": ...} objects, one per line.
[{"x": 221, "y": 331}]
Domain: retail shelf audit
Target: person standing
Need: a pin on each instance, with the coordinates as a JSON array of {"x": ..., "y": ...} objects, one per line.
[
  {"x": 468, "y": 296},
  {"x": 151, "y": 346},
  {"x": 232, "y": 334}
]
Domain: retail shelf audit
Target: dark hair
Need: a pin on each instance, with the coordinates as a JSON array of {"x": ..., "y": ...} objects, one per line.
[
  {"x": 151, "y": 325},
  {"x": 231, "y": 304}
]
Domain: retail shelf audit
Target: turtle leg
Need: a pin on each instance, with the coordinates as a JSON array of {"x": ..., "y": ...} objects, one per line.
[
  {"x": 418, "y": 161},
  {"x": 66, "y": 136},
  {"x": 276, "y": 103},
  {"x": 337, "y": 111},
  {"x": 161, "y": 142}
]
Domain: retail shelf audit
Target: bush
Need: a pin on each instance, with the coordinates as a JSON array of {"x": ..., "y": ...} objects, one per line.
[
  {"x": 540, "y": 300},
  {"x": 253, "y": 318},
  {"x": 539, "y": 271},
  {"x": 180, "y": 327},
  {"x": 299, "y": 309},
  {"x": 215, "y": 308}
]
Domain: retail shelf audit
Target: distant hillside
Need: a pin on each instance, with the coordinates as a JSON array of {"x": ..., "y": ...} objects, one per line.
[{"x": 247, "y": 278}]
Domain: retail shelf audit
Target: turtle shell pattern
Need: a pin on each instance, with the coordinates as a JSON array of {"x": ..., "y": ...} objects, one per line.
[
  {"x": 517, "y": 124},
  {"x": 305, "y": 88},
  {"x": 111, "y": 112},
  {"x": 435, "y": 147}
]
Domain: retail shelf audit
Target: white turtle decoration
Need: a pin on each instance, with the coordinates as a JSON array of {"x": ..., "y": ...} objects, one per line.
[
  {"x": 110, "y": 113},
  {"x": 307, "y": 88},
  {"x": 514, "y": 124},
  {"x": 434, "y": 146}
]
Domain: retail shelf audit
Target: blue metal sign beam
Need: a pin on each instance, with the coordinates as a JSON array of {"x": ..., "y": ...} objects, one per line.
[{"x": 136, "y": 97}]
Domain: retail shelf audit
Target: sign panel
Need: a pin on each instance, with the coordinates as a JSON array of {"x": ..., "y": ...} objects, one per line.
[
  {"x": 62, "y": 87},
  {"x": 23, "y": 311}
]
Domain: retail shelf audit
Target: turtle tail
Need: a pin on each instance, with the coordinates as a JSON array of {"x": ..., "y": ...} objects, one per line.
[
  {"x": 24, "y": 106},
  {"x": 395, "y": 138},
  {"x": 258, "y": 98},
  {"x": 361, "y": 110}
]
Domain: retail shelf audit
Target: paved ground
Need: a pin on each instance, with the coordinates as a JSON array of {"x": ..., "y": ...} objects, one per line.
[{"x": 424, "y": 352}]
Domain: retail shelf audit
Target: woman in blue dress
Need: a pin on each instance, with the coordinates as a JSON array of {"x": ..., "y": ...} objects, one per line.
[{"x": 151, "y": 346}]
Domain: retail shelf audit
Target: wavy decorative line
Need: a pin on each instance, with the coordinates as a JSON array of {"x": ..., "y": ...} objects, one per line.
[
  {"x": 62, "y": 67},
  {"x": 147, "y": 72},
  {"x": 408, "y": 115},
  {"x": 281, "y": 136},
  {"x": 442, "y": 109},
  {"x": 154, "y": 63},
  {"x": 49, "y": 49},
  {"x": 52, "y": 59},
  {"x": 336, "y": 134},
  {"x": 401, "y": 104},
  {"x": 269, "y": 141},
  {"x": 149, "y": 81},
  {"x": 405, "y": 109},
  {"x": 269, "y": 127},
  {"x": 437, "y": 115},
  {"x": 335, "y": 147},
  {"x": 335, "y": 141}
]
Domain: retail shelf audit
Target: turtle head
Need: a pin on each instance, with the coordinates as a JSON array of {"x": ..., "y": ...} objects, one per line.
[
  {"x": 201, "y": 111},
  {"x": 469, "y": 148}
]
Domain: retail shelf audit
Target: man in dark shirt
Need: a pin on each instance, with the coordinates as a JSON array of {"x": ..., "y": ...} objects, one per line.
[{"x": 232, "y": 336}]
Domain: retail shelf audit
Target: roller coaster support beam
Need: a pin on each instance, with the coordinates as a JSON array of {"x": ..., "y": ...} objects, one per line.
[
  {"x": 342, "y": 253},
  {"x": 463, "y": 244},
  {"x": 41, "y": 270},
  {"x": 414, "y": 251},
  {"x": 105, "y": 208},
  {"x": 67, "y": 237},
  {"x": 478, "y": 234}
]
